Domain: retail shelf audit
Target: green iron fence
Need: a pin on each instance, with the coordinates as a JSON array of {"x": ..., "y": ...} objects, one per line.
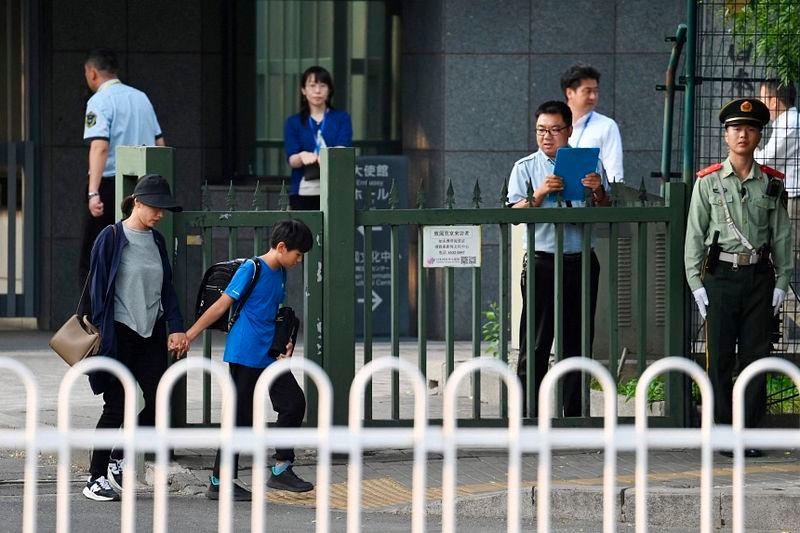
[
  {"x": 329, "y": 281},
  {"x": 199, "y": 229}
]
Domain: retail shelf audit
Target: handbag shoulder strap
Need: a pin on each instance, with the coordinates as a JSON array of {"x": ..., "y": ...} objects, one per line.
[{"x": 89, "y": 274}]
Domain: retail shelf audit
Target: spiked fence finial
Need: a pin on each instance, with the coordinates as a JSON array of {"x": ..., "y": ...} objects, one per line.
[
  {"x": 642, "y": 192},
  {"x": 450, "y": 195},
  {"x": 230, "y": 198},
  {"x": 476, "y": 195},
  {"x": 283, "y": 197},
  {"x": 421, "y": 195},
  {"x": 255, "y": 205}
]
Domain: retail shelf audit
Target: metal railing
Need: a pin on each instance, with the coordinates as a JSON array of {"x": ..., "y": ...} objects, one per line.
[
  {"x": 423, "y": 437},
  {"x": 329, "y": 275}
]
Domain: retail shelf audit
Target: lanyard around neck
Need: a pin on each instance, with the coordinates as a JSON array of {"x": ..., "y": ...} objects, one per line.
[
  {"x": 108, "y": 83},
  {"x": 585, "y": 125},
  {"x": 319, "y": 141}
]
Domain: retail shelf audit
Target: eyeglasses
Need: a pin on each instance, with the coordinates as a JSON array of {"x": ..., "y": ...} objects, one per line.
[{"x": 555, "y": 131}]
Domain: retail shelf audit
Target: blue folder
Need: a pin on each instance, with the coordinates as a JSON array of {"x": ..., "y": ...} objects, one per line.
[{"x": 572, "y": 165}]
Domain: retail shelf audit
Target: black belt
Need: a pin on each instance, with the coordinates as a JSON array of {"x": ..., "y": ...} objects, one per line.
[{"x": 567, "y": 257}]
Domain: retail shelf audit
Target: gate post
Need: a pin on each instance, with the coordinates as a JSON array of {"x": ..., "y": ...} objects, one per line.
[
  {"x": 337, "y": 202},
  {"x": 132, "y": 163},
  {"x": 677, "y": 335}
]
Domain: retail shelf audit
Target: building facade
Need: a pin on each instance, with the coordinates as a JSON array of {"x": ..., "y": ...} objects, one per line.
[{"x": 451, "y": 84}]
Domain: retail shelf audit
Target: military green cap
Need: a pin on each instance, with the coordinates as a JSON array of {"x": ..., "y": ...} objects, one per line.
[{"x": 744, "y": 111}]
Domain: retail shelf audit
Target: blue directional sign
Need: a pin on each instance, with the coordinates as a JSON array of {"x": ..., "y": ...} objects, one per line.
[{"x": 375, "y": 174}]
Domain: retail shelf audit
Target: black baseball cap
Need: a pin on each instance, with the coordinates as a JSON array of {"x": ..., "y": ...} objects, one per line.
[{"x": 153, "y": 190}]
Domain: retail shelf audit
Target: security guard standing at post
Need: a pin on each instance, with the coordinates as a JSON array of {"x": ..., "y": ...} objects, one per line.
[{"x": 738, "y": 258}]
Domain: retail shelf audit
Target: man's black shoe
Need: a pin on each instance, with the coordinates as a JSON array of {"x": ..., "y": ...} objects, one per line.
[
  {"x": 749, "y": 452},
  {"x": 240, "y": 494},
  {"x": 288, "y": 480}
]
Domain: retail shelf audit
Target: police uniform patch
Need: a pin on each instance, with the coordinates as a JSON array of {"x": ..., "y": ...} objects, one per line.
[{"x": 91, "y": 119}]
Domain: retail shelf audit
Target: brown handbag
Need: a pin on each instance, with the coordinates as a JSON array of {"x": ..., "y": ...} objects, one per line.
[{"x": 78, "y": 338}]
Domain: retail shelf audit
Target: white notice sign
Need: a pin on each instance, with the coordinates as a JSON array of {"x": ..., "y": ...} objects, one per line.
[{"x": 451, "y": 246}]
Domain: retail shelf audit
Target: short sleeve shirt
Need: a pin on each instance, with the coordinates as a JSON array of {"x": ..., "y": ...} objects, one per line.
[
  {"x": 534, "y": 169},
  {"x": 251, "y": 336},
  {"x": 121, "y": 115}
]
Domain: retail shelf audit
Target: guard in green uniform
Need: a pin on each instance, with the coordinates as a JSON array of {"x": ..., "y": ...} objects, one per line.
[{"x": 738, "y": 258}]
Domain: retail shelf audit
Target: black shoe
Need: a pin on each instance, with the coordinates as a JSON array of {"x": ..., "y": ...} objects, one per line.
[
  {"x": 288, "y": 480},
  {"x": 99, "y": 490},
  {"x": 240, "y": 494},
  {"x": 749, "y": 452}
]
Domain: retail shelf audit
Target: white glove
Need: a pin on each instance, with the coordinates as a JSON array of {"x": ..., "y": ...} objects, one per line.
[
  {"x": 778, "y": 296},
  {"x": 701, "y": 299}
]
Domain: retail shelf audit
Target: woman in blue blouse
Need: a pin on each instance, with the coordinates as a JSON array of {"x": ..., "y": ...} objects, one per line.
[{"x": 316, "y": 126}]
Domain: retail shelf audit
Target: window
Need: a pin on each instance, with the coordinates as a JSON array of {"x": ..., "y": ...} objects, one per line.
[{"x": 357, "y": 41}]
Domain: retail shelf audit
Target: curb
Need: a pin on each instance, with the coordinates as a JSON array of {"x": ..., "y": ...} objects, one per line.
[{"x": 773, "y": 509}]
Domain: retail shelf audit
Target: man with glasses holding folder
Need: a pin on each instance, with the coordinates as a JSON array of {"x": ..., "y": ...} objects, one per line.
[{"x": 553, "y": 129}]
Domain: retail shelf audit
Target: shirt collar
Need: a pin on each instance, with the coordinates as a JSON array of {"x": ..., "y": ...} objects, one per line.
[
  {"x": 584, "y": 118},
  {"x": 108, "y": 83},
  {"x": 727, "y": 170}
]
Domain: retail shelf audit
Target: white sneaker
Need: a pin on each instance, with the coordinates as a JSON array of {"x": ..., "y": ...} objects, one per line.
[
  {"x": 99, "y": 490},
  {"x": 114, "y": 474}
]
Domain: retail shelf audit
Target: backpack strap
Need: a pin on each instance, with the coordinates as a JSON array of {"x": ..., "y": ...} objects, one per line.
[{"x": 246, "y": 294}]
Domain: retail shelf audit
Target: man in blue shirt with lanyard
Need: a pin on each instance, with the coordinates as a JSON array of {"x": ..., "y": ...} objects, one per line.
[
  {"x": 553, "y": 129},
  {"x": 590, "y": 129},
  {"x": 116, "y": 115}
]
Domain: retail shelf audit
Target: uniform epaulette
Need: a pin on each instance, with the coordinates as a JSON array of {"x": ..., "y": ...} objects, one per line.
[
  {"x": 769, "y": 171},
  {"x": 708, "y": 170}
]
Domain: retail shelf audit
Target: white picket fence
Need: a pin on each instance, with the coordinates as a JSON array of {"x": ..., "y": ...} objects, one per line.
[{"x": 423, "y": 438}]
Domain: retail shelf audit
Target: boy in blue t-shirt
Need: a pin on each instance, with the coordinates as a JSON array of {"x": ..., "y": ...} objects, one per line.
[{"x": 247, "y": 349}]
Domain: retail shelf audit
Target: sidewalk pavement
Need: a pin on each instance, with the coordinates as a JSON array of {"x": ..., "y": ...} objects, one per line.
[{"x": 772, "y": 482}]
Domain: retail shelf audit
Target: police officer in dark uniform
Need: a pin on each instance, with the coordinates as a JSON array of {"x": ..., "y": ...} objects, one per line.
[{"x": 738, "y": 258}]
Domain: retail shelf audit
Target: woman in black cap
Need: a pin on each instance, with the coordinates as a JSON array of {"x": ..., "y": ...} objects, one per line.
[{"x": 134, "y": 305}]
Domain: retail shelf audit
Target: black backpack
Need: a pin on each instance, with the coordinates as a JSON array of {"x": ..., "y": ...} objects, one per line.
[{"x": 215, "y": 281}]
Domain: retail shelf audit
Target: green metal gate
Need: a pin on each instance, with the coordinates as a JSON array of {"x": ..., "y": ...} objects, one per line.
[{"x": 329, "y": 278}]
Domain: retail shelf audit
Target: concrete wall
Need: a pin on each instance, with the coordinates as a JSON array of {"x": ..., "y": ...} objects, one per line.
[
  {"x": 173, "y": 51},
  {"x": 473, "y": 72}
]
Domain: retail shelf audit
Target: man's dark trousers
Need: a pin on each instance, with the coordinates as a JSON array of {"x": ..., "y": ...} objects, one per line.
[
  {"x": 739, "y": 308},
  {"x": 544, "y": 321},
  {"x": 92, "y": 227}
]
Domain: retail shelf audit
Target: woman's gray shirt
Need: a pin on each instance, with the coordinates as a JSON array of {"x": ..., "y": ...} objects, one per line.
[{"x": 137, "y": 294}]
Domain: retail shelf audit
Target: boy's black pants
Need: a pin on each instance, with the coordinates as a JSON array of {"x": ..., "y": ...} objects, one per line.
[
  {"x": 287, "y": 399},
  {"x": 147, "y": 361}
]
